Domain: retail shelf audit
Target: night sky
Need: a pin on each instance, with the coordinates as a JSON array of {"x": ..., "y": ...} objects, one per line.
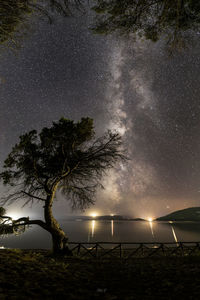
[{"x": 135, "y": 87}]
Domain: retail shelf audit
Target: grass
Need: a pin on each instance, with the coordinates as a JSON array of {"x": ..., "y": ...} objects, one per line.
[{"x": 36, "y": 274}]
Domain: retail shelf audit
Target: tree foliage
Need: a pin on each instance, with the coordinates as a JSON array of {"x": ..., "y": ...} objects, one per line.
[
  {"x": 15, "y": 16},
  {"x": 151, "y": 19},
  {"x": 64, "y": 157}
]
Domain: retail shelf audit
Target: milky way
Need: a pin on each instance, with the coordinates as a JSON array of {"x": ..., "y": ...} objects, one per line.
[
  {"x": 130, "y": 86},
  {"x": 161, "y": 114}
]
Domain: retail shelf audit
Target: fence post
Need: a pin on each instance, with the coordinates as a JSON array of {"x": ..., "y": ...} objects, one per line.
[
  {"x": 79, "y": 247},
  {"x": 96, "y": 249},
  {"x": 182, "y": 250},
  {"x": 142, "y": 248},
  {"x": 162, "y": 247}
]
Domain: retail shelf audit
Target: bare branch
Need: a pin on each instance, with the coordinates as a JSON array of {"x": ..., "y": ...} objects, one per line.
[
  {"x": 32, "y": 196},
  {"x": 26, "y": 221}
]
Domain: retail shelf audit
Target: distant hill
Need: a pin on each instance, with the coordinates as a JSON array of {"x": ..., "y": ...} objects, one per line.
[
  {"x": 117, "y": 218},
  {"x": 188, "y": 214},
  {"x": 102, "y": 218}
]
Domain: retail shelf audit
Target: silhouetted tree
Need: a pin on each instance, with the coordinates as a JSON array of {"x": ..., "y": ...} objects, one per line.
[
  {"x": 151, "y": 19},
  {"x": 64, "y": 157}
]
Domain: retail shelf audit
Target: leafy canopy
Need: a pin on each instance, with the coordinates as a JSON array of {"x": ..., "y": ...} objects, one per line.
[
  {"x": 151, "y": 19},
  {"x": 66, "y": 157},
  {"x": 15, "y": 16}
]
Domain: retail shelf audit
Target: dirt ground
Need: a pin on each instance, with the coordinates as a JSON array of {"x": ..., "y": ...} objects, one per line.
[{"x": 31, "y": 274}]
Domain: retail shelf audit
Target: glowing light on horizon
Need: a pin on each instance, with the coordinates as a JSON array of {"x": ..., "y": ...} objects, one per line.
[
  {"x": 14, "y": 215},
  {"x": 94, "y": 215},
  {"x": 150, "y": 219}
]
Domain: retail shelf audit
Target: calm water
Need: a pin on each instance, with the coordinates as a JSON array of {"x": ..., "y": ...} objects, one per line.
[{"x": 107, "y": 231}]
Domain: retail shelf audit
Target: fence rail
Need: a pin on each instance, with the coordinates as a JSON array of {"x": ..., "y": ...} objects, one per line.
[{"x": 133, "y": 250}]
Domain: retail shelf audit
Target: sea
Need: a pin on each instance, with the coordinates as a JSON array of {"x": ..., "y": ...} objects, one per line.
[{"x": 89, "y": 231}]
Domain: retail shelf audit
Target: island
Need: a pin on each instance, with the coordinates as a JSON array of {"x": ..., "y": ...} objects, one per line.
[
  {"x": 188, "y": 214},
  {"x": 101, "y": 218}
]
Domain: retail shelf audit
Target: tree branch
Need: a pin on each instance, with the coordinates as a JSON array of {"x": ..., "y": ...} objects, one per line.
[
  {"x": 32, "y": 196},
  {"x": 7, "y": 218},
  {"x": 26, "y": 221}
]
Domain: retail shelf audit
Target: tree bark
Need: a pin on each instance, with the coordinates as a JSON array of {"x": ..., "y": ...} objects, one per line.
[
  {"x": 59, "y": 238},
  {"x": 60, "y": 243}
]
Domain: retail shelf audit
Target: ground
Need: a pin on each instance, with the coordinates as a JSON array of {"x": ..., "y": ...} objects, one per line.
[{"x": 31, "y": 274}]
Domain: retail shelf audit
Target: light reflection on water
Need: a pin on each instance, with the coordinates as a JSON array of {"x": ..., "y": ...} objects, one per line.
[
  {"x": 173, "y": 232},
  {"x": 108, "y": 231},
  {"x": 151, "y": 227},
  {"x": 93, "y": 228},
  {"x": 112, "y": 228},
  {"x": 91, "y": 232}
]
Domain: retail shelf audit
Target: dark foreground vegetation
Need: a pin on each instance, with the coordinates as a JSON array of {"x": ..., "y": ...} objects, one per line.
[{"x": 36, "y": 274}]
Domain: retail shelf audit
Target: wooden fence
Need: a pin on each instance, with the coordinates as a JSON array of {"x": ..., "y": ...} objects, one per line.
[{"x": 133, "y": 250}]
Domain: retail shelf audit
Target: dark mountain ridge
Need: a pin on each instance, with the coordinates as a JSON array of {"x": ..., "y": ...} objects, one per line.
[{"x": 188, "y": 214}]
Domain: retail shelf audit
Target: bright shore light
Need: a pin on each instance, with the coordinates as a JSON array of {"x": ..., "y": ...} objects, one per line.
[
  {"x": 94, "y": 215},
  {"x": 14, "y": 214},
  {"x": 150, "y": 219}
]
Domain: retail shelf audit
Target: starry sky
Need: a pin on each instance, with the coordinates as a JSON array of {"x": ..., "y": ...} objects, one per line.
[{"x": 134, "y": 87}]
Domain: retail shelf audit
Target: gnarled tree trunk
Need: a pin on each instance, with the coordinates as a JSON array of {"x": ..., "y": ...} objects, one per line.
[
  {"x": 59, "y": 238},
  {"x": 59, "y": 241}
]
